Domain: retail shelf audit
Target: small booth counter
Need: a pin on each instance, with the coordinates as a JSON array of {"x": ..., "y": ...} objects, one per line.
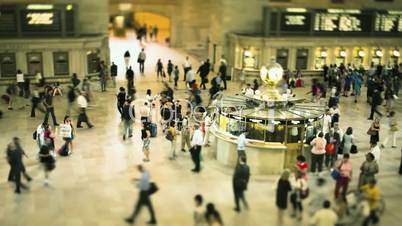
[
  {"x": 277, "y": 131},
  {"x": 264, "y": 158}
]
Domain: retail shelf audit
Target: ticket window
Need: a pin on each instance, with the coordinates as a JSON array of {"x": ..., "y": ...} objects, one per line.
[
  {"x": 93, "y": 62},
  {"x": 250, "y": 58},
  {"x": 302, "y": 59},
  {"x": 60, "y": 62},
  {"x": 35, "y": 63},
  {"x": 321, "y": 59},
  {"x": 8, "y": 65},
  {"x": 282, "y": 57}
]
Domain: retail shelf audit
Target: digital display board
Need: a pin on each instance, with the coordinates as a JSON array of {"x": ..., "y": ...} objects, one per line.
[
  {"x": 41, "y": 20},
  {"x": 295, "y": 21},
  {"x": 388, "y": 23},
  {"x": 7, "y": 20},
  {"x": 345, "y": 22}
]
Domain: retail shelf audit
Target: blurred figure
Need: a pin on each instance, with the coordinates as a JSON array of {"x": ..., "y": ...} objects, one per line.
[
  {"x": 283, "y": 189},
  {"x": 241, "y": 178},
  {"x": 141, "y": 60},
  {"x": 113, "y": 73},
  {"x": 199, "y": 219},
  {"x": 14, "y": 158},
  {"x": 212, "y": 216},
  {"x": 325, "y": 216},
  {"x": 127, "y": 59}
]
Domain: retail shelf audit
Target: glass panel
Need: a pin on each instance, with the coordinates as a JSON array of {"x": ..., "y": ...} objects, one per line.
[
  {"x": 256, "y": 131},
  {"x": 294, "y": 134},
  {"x": 34, "y": 63},
  {"x": 93, "y": 62},
  {"x": 235, "y": 127},
  {"x": 275, "y": 133}
]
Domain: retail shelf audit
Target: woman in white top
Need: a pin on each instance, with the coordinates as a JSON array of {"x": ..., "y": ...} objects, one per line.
[
  {"x": 67, "y": 132},
  {"x": 347, "y": 140},
  {"x": 20, "y": 83},
  {"x": 299, "y": 192}
]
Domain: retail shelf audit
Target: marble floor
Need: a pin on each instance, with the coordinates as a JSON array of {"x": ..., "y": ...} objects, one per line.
[{"x": 94, "y": 187}]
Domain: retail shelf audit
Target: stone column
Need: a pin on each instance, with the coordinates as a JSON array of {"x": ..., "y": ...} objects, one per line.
[
  {"x": 21, "y": 61},
  {"x": 47, "y": 63}
]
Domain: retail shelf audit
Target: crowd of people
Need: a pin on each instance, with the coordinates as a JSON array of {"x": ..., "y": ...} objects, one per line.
[{"x": 329, "y": 158}]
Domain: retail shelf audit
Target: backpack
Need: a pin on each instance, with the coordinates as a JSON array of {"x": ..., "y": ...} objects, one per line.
[{"x": 169, "y": 135}]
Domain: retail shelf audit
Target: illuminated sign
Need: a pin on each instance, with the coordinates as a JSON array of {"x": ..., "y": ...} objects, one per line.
[
  {"x": 388, "y": 22},
  {"x": 40, "y": 18},
  {"x": 295, "y": 20},
  {"x": 336, "y": 22}
]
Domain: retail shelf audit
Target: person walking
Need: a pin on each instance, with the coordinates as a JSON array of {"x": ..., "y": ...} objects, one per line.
[
  {"x": 128, "y": 114},
  {"x": 176, "y": 75},
  {"x": 14, "y": 158},
  {"x": 325, "y": 216},
  {"x": 299, "y": 192},
  {"x": 82, "y": 117},
  {"x": 347, "y": 140},
  {"x": 196, "y": 145},
  {"x": 344, "y": 167},
  {"x": 67, "y": 132},
  {"x": 48, "y": 102},
  {"x": 375, "y": 102},
  {"x": 127, "y": 59},
  {"x": 393, "y": 129},
  {"x": 113, "y": 73},
  {"x": 376, "y": 151},
  {"x": 283, "y": 189},
  {"x": 241, "y": 178},
  {"x": 368, "y": 170},
  {"x": 331, "y": 149},
  {"x": 145, "y": 113},
  {"x": 374, "y": 131},
  {"x": 141, "y": 60},
  {"x": 318, "y": 152},
  {"x": 186, "y": 67},
  {"x": 20, "y": 83},
  {"x": 198, "y": 216},
  {"x": 35, "y": 100},
  {"x": 185, "y": 132},
  {"x": 102, "y": 76},
  {"x": 190, "y": 78},
  {"x": 241, "y": 145},
  {"x": 159, "y": 69},
  {"x": 372, "y": 194},
  {"x": 71, "y": 96},
  {"x": 47, "y": 160},
  {"x": 212, "y": 216},
  {"x": 144, "y": 199},
  {"x": 222, "y": 72},
  {"x": 130, "y": 79},
  {"x": 40, "y": 134},
  {"x": 121, "y": 99},
  {"x": 146, "y": 141},
  {"x": 170, "y": 70},
  {"x": 171, "y": 135}
]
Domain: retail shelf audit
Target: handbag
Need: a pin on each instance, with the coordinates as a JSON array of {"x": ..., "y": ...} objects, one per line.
[
  {"x": 153, "y": 188},
  {"x": 304, "y": 193},
  {"x": 353, "y": 149},
  {"x": 370, "y": 132},
  {"x": 169, "y": 136},
  {"x": 35, "y": 135},
  {"x": 335, "y": 174}
]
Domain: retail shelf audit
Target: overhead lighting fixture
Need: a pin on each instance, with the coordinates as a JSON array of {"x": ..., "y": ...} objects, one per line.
[
  {"x": 378, "y": 53},
  {"x": 350, "y": 11},
  {"x": 361, "y": 53},
  {"x": 39, "y": 6},
  {"x": 323, "y": 53},
  {"x": 125, "y": 6},
  {"x": 248, "y": 53},
  {"x": 69, "y": 7},
  {"x": 395, "y": 12},
  {"x": 296, "y": 10},
  {"x": 396, "y": 53},
  {"x": 342, "y": 53}
]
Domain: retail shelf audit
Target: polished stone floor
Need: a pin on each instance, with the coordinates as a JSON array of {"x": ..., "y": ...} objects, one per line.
[{"x": 93, "y": 187}]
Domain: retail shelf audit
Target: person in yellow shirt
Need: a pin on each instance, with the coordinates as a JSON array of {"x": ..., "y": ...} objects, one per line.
[
  {"x": 372, "y": 194},
  {"x": 171, "y": 135}
]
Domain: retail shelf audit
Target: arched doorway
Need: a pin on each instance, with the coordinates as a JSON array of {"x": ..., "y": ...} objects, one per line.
[{"x": 152, "y": 20}]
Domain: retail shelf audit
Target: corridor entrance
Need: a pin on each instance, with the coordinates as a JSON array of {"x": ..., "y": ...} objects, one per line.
[{"x": 158, "y": 27}]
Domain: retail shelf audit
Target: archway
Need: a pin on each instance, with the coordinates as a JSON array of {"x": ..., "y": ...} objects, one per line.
[{"x": 152, "y": 20}]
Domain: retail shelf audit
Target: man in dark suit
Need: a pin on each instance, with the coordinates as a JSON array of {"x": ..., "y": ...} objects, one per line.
[
  {"x": 14, "y": 157},
  {"x": 113, "y": 73},
  {"x": 241, "y": 177},
  {"x": 222, "y": 71},
  {"x": 376, "y": 101}
]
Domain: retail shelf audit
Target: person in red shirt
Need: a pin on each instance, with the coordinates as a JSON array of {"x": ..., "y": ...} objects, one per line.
[{"x": 302, "y": 166}]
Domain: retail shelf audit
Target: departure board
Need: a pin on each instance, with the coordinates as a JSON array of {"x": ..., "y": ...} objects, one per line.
[
  {"x": 331, "y": 22},
  {"x": 328, "y": 22},
  {"x": 295, "y": 22},
  {"x": 388, "y": 23},
  {"x": 7, "y": 21},
  {"x": 41, "y": 20}
]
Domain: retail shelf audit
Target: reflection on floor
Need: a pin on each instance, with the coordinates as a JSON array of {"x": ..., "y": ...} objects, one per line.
[{"x": 94, "y": 186}]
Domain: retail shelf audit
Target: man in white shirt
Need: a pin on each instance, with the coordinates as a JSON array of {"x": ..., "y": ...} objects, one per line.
[
  {"x": 20, "y": 83},
  {"x": 145, "y": 113},
  {"x": 325, "y": 216},
  {"x": 190, "y": 77},
  {"x": 185, "y": 132},
  {"x": 82, "y": 117},
  {"x": 141, "y": 60},
  {"x": 196, "y": 144},
  {"x": 186, "y": 67},
  {"x": 241, "y": 145},
  {"x": 40, "y": 134},
  {"x": 327, "y": 122}
]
